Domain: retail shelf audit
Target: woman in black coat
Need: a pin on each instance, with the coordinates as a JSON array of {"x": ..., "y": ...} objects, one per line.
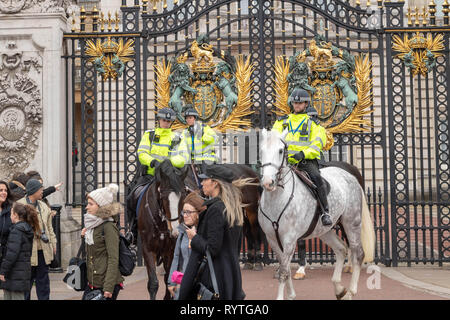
[
  {"x": 6, "y": 201},
  {"x": 15, "y": 270},
  {"x": 219, "y": 230}
]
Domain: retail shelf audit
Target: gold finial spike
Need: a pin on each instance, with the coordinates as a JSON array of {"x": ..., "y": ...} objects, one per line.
[
  {"x": 425, "y": 16},
  {"x": 175, "y": 2},
  {"x": 102, "y": 22},
  {"x": 73, "y": 22},
  {"x": 116, "y": 21},
  {"x": 416, "y": 16},
  {"x": 109, "y": 21},
  {"x": 409, "y": 15},
  {"x": 358, "y": 3},
  {"x": 165, "y": 4},
  {"x": 368, "y": 4}
]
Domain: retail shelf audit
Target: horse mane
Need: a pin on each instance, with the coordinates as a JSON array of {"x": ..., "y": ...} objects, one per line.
[{"x": 166, "y": 170}]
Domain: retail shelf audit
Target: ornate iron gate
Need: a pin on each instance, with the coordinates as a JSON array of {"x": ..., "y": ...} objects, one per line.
[{"x": 109, "y": 116}]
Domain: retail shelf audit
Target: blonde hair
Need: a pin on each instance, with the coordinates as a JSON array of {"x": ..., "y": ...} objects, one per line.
[{"x": 231, "y": 195}]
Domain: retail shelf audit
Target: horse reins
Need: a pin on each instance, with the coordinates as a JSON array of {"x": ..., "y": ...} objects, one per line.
[{"x": 275, "y": 224}]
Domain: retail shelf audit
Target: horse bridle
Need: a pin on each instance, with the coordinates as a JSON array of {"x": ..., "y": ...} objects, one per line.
[
  {"x": 275, "y": 224},
  {"x": 278, "y": 174}
]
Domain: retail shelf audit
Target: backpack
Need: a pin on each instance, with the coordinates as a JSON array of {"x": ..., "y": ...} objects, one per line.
[{"x": 127, "y": 256}]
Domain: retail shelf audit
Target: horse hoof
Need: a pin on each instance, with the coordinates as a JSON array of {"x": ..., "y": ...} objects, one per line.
[
  {"x": 344, "y": 295},
  {"x": 299, "y": 276},
  {"x": 248, "y": 266},
  {"x": 348, "y": 296},
  {"x": 347, "y": 269},
  {"x": 258, "y": 266}
]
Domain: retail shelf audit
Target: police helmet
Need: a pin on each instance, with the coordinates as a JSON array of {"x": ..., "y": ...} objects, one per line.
[
  {"x": 167, "y": 114},
  {"x": 191, "y": 112},
  {"x": 298, "y": 95}
]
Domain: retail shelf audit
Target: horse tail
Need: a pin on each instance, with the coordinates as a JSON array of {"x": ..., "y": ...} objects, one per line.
[{"x": 367, "y": 231}]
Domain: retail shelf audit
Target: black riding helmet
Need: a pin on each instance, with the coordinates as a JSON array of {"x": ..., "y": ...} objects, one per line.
[
  {"x": 298, "y": 95},
  {"x": 191, "y": 112},
  {"x": 166, "y": 114}
]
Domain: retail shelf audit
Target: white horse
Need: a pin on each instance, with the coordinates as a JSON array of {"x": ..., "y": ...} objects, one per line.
[{"x": 286, "y": 213}]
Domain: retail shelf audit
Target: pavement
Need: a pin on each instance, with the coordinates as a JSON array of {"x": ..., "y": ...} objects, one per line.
[{"x": 421, "y": 282}]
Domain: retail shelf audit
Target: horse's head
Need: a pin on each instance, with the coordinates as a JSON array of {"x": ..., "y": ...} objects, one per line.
[
  {"x": 273, "y": 155},
  {"x": 172, "y": 191}
]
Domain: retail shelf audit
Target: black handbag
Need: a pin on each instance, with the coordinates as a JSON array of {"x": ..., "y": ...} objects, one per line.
[
  {"x": 76, "y": 276},
  {"x": 203, "y": 292}
]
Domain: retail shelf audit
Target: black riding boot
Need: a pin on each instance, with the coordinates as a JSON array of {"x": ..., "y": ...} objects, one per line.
[{"x": 322, "y": 194}]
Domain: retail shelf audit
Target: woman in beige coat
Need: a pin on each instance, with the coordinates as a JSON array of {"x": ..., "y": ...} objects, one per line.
[{"x": 44, "y": 245}]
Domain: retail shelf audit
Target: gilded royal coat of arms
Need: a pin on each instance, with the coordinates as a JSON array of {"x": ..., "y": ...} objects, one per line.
[
  {"x": 219, "y": 91},
  {"x": 339, "y": 84}
]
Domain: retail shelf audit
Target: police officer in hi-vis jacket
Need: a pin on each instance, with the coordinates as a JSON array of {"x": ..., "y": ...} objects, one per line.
[{"x": 305, "y": 140}]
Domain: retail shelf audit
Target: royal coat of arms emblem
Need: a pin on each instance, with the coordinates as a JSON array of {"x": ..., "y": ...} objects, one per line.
[
  {"x": 219, "y": 91},
  {"x": 339, "y": 84}
]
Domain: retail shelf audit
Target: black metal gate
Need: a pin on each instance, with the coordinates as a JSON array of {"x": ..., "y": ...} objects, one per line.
[{"x": 404, "y": 157}]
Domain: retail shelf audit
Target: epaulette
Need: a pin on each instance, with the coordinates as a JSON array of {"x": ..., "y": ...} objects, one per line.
[{"x": 284, "y": 117}]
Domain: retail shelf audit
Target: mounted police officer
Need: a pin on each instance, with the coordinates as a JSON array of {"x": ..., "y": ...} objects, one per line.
[
  {"x": 197, "y": 140},
  {"x": 197, "y": 143},
  {"x": 158, "y": 144},
  {"x": 155, "y": 146},
  {"x": 306, "y": 139}
]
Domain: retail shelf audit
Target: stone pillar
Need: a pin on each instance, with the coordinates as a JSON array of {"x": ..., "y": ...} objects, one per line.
[{"x": 32, "y": 99}]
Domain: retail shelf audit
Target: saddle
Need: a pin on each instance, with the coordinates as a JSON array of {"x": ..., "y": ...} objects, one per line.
[
  {"x": 135, "y": 190},
  {"x": 304, "y": 176}
]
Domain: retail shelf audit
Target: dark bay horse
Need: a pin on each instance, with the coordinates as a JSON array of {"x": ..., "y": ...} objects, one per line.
[{"x": 159, "y": 213}]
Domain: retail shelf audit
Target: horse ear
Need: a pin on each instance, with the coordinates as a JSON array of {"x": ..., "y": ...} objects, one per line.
[{"x": 264, "y": 133}]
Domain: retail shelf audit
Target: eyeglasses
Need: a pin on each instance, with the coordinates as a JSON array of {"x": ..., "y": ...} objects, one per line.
[{"x": 187, "y": 212}]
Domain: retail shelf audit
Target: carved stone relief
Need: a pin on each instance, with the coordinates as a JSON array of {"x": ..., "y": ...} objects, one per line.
[
  {"x": 20, "y": 107},
  {"x": 34, "y": 6}
]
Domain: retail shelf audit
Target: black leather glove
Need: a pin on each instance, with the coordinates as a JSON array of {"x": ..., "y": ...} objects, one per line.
[
  {"x": 299, "y": 156},
  {"x": 153, "y": 163}
]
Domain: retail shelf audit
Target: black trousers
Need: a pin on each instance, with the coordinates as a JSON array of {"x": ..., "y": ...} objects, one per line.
[
  {"x": 39, "y": 275},
  {"x": 115, "y": 292},
  {"x": 312, "y": 168}
]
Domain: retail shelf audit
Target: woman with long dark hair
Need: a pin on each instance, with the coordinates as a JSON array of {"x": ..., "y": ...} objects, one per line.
[
  {"x": 6, "y": 201},
  {"x": 15, "y": 270}
]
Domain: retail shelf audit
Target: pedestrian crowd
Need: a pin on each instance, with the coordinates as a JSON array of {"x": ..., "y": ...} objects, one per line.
[
  {"x": 27, "y": 239},
  {"x": 206, "y": 256}
]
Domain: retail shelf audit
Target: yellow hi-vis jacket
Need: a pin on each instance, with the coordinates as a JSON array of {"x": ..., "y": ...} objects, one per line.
[
  {"x": 304, "y": 135},
  {"x": 199, "y": 147},
  {"x": 159, "y": 148}
]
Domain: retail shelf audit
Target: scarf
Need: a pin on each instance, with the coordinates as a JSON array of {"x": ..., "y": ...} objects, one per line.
[{"x": 91, "y": 222}]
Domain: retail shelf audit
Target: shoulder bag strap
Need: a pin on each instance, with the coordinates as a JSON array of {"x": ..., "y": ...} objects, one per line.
[
  {"x": 213, "y": 274},
  {"x": 80, "y": 250}
]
